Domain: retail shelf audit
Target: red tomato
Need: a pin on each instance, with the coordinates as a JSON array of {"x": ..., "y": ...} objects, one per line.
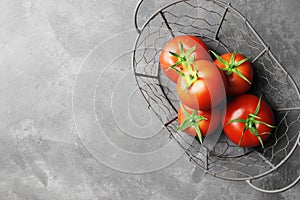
[
  {"x": 238, "y": 72},
  {"x": 247, "y": 121},
  {"x": 204, "y": 90},
  {"x": 192, "y": 121},
  {"x": 188, "y": 42}
]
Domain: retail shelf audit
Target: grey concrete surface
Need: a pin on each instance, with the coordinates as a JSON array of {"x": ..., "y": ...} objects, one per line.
[{"x": 42, "y": 46}]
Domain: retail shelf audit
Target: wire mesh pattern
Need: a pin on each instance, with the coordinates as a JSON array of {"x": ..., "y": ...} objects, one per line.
[{"x": 223, "y": 29}]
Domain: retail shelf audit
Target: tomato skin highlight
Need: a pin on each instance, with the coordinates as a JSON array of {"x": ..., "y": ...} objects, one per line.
[
  {"x": 206, "y": 126},
  {"x": 188, "y": 41},
  {"x": 239, "y": 108},
  {"x": 207, "y": 91},
  {"x": 237, "y": 85}
]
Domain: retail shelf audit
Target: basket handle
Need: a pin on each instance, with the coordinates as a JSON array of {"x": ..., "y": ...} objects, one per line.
[
  {"x": 156, "y": 4},
  {"x": 277, "y": 190},
  {"x": 135, "y": 16}
]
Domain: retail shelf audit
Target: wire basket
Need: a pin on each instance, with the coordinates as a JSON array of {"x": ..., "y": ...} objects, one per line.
[{"x": 223, "y": 29}]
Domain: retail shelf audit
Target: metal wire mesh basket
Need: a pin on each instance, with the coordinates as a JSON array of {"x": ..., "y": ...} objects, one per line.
[{"x": 223, "y": 29}]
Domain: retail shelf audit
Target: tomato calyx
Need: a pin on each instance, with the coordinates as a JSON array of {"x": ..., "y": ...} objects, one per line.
[
  {"x": 185, "y": 59},
  {"x": 250, "y": 124},
  {"x": 191, "y": 120},
  {"x": 231, "y": 66}
]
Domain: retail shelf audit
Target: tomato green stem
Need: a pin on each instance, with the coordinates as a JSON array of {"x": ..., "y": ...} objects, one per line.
[
  {"x": 177, "y": 70},
  {"x": 231, "y": 66},
  {"x": 185, "y": 59},
  {"x": 191, "y": 120},
  {"x": 251, "y": 122}
]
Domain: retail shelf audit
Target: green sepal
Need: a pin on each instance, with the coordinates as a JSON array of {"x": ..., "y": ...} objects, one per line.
[
  {"x": 192, "y": 120},
  {"x": 257, "y": 107},
  {"x": 236, "y": 120},
  {"x": 242, "y": 61}
]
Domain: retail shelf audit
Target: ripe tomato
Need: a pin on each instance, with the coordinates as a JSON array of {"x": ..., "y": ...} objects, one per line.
[
  {"x": 193, "y": 48},
  {"x": 248, "y": 121},
  {"x": 238, "y": 72},
  {"x": 202, "y": 88},
  {"x": 198, "y": 123}
]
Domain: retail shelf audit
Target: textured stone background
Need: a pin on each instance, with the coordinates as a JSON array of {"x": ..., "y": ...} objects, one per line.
[{"x": 42, "y": 46}]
